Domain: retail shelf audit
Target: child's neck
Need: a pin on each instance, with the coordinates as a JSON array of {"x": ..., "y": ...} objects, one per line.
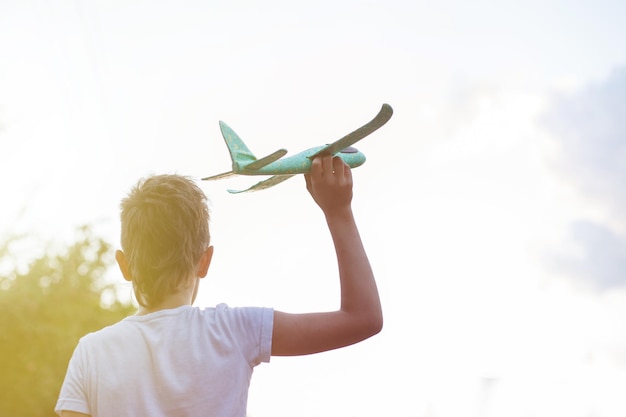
[{"x": 175, "y": 300}]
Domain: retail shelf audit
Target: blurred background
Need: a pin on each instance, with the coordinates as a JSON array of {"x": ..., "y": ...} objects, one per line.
[{"x": 492, "y": 204}]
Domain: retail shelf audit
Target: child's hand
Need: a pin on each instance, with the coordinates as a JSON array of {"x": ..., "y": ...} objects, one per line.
[{"x": 330, "y": 183}]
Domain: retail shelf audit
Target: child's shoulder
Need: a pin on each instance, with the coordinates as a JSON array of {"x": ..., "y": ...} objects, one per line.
[{"x": 179, "y": 320}]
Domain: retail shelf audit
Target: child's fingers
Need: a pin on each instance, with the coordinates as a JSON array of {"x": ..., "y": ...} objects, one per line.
[
  {"x": 347, "y": 172},
  {"x": 327, "y": 165},
  {"x": 343, "y": 173},
  {"x": 339, "y": 166},
  {"x": 316, "y": 167},
  {"x": 331, "y": 168},
  {"x": 314, "y": 175}
]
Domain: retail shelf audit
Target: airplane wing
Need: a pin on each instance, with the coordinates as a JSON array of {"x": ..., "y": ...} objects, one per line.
[
  {"x": 350, "y": 139},
  {"x": 270, "y": 182},
  {"x": 260, "y": 163},
  {"x": 219, "y": 176}
]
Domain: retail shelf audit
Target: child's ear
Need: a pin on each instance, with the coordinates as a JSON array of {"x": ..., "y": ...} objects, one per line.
[
  {"x": 205, "y": 261},
  {"x": 123, "y": 264}
]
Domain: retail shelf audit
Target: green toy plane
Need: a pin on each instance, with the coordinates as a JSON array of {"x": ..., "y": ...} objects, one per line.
[{"x": 245, "y": 163}]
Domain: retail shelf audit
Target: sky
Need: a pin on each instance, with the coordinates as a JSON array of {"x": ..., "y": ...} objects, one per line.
[{"x": 491, "y": 205}]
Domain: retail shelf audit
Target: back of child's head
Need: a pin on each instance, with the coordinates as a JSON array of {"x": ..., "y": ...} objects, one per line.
[{"x": 165, "y": 231}]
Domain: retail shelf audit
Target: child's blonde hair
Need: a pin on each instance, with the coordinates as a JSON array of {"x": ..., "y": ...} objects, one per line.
[{"x": 165, "y": 231}]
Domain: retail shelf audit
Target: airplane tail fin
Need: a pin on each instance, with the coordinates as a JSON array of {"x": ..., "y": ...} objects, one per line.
[
  {"x": 239, "y": 152},
  {"x": 243, "y": 157}
]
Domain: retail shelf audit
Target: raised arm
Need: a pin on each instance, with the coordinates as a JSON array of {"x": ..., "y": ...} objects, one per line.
[{"x": 360, "y": 314}]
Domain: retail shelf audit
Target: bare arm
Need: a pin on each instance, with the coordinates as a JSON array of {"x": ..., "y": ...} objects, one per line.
[
  {"x": 73, "y": 414},
  {"x": 360, "y": 314}
]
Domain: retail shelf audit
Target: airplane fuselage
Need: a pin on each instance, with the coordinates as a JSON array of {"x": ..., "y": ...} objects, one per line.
[{"x": 300, "y": 163}]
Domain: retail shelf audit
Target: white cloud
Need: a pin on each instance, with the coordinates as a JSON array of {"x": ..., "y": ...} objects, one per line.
[{"x": 589, "y": 131}]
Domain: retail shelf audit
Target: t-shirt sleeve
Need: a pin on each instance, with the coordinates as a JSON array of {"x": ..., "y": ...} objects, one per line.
[
  {"x": 267, "y": 327},
  {"x": 253, "y": 326},
  {"x": 72, "y": 396}
]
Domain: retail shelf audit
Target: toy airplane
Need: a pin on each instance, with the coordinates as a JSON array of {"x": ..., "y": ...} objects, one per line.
[{"x": 281, "y": 169}]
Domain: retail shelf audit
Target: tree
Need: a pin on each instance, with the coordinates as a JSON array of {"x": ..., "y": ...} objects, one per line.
[{"x": 44, "y": 309}]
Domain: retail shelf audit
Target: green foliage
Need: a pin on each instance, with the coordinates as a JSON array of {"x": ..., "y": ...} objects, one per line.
[{"x": 44, "y": 309}]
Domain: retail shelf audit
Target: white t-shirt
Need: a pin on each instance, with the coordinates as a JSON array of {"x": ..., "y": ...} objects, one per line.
[{"x": 185, "y": 361}]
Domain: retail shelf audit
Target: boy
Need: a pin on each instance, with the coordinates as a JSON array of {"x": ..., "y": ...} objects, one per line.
[{"x": 172, "y": 359}]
